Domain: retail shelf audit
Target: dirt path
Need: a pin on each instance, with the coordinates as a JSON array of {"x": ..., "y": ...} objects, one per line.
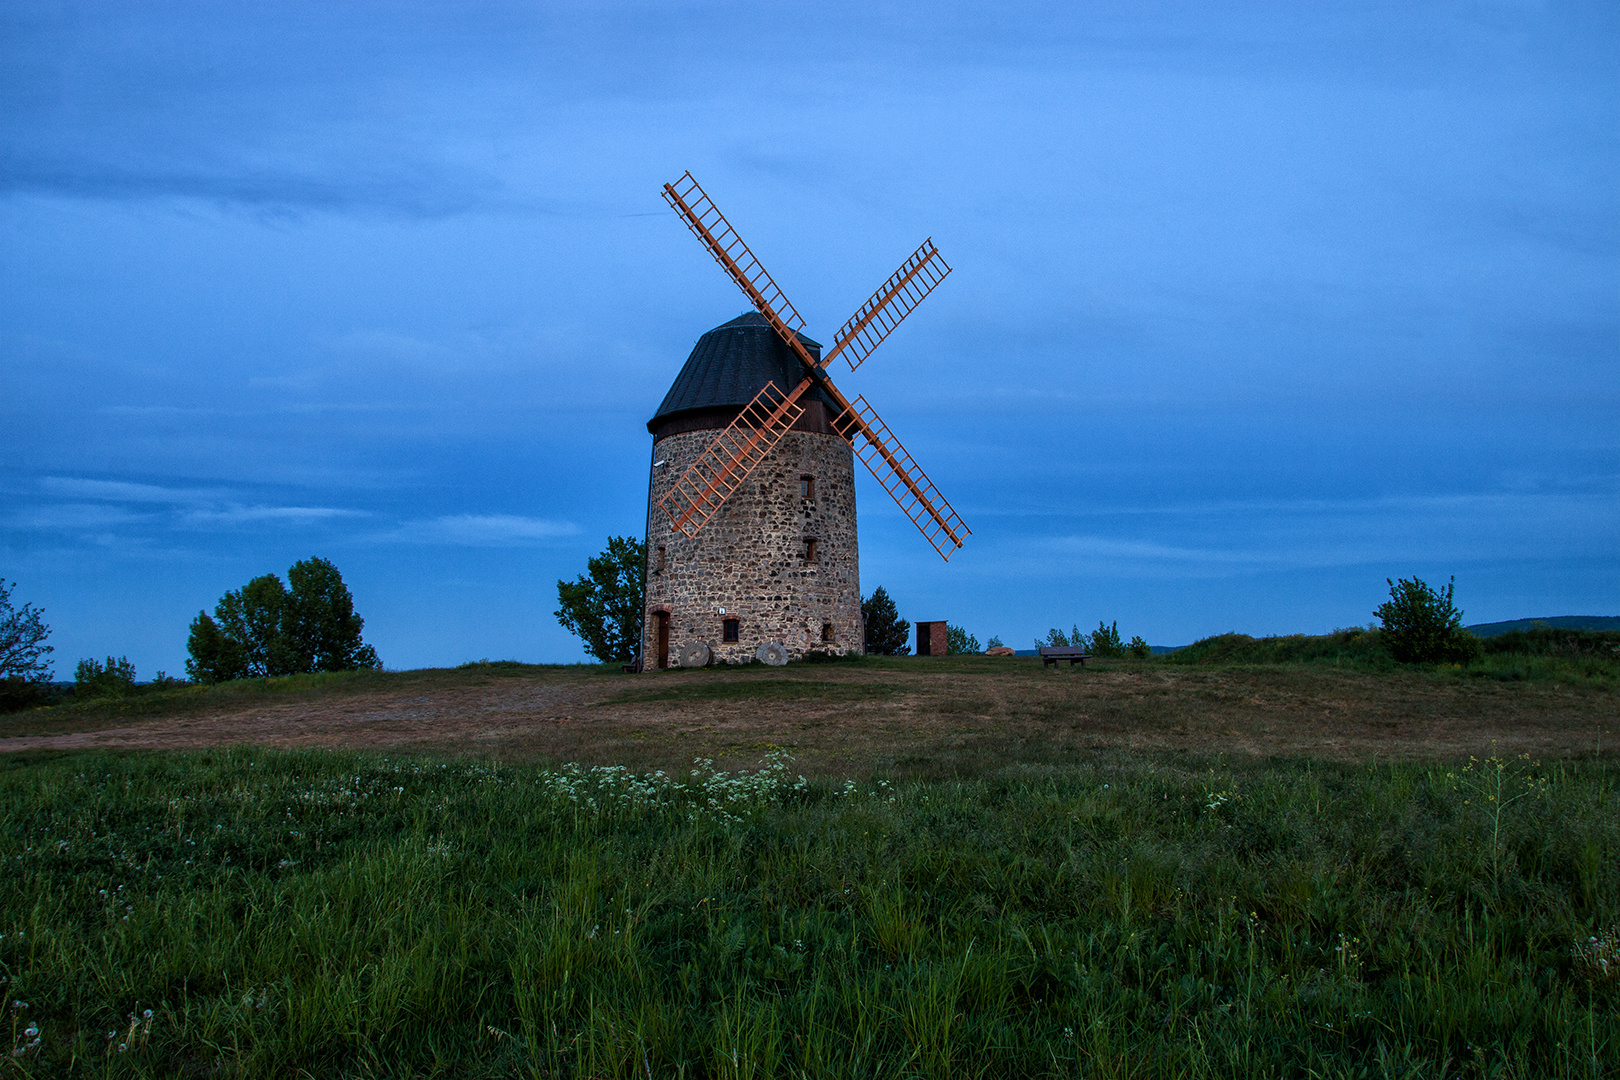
[{"x": 905, "y": 718}]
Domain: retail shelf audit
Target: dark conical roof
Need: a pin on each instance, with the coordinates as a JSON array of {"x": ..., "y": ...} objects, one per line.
[{"x": 732, "y": 363}]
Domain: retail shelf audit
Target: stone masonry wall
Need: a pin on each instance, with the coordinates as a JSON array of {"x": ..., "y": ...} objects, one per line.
[{"x": 750, "y": 557}]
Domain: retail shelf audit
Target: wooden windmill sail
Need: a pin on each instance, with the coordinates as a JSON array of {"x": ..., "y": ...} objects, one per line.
[{"x": 722, "y": 468}]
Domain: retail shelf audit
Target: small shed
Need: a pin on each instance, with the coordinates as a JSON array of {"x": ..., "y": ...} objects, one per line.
[{"x": 932, "y": 639}]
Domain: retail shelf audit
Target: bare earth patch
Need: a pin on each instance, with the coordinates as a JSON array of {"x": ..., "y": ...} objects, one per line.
[{"x": 917, "y": 717}]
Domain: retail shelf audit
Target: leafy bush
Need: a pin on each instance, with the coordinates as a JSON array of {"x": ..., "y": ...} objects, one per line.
[
  {"x": 1357, "y": 645},
  {"x": 1104, "y": 643},
  {"x": 1139, "y": 648},
  {"x": 604, "y": 605},
  {"x": 1423, "y": 626},
  {"x": 265, "y": 629},
  {"x": 17, "y": 693},
  {"x": 1552, "y": 641},
  {"x": 959, "y": 641},
  {"x": 1057, "y": 639},
  {"x": 995, "y": 642},
  {"x": 887, "y": 633},
  {"x": 93, "y": 680}
]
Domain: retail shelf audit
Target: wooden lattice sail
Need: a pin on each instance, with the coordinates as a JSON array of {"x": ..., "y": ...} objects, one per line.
[{"x": 721, "y": 469}]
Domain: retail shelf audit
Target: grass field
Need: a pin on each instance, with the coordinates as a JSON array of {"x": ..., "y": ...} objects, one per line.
[
  {"x": 324, "y": 914},
  {"x": 1283, "y": 858}
]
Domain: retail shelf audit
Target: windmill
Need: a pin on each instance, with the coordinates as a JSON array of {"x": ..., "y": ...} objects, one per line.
[{"x": 767, "y": 356}]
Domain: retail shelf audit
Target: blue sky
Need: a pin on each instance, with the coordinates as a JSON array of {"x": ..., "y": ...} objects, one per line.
[{"x": 1254, "y": 305}]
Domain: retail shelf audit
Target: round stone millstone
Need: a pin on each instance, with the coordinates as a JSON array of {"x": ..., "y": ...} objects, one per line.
[
  {"x": 695, "y": 654},
  {"x": 771, "y": 653}
]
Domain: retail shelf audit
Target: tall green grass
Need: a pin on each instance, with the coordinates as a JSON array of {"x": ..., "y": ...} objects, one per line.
[{"x": 321, "y": 914}]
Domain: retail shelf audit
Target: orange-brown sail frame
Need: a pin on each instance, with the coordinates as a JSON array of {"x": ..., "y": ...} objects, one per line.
[{"x": 706, "y": 484}]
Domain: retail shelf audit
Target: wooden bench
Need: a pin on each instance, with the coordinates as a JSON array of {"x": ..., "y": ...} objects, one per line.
[{"x": 1074, "y": 654}]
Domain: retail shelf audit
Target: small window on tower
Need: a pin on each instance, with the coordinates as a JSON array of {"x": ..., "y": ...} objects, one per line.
[
  {"x": 658, "y": 563},
  {"x": 729, "y": 630},
  {"x": 809, "y": 551},
  {"x": 807, "y": 488},
  {"x": 828, "y": 634}
]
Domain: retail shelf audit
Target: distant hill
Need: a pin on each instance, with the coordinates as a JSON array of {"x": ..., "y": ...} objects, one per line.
[{"x": 1562, "y": 622}]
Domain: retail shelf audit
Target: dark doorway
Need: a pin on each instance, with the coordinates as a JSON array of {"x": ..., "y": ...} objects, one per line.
[{"x": 663, "y": 638}]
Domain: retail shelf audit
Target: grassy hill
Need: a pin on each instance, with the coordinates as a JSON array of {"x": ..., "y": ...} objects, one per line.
[{"x": 1259, "y": 857}]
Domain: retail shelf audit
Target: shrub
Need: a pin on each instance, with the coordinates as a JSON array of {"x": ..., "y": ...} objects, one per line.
[
  {"x": 1139, "y": 648},
  {"x": 1353, "y": 646},
  {"x": 17, "y": 693},
  {"x": 814, "y": 656},
  {"x": 1421, "y": 625},
  {"x": 958, "y": 640},
  {"x": 92, "y": 679},
  {"x": 1555, "y": 641},
  {"x": 1057, "y": 639},
  {"x": 1104, "y": 643}
]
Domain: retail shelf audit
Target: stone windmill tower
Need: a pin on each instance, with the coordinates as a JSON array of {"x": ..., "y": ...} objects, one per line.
[{"x": 751, "y": 540}]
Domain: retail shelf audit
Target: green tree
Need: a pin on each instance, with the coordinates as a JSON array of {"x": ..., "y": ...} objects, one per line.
[
  {"x": 604, "y": 605},
  {"x": 1105, "y": 641},
  {"x": 1423, "y": 626},
  {"x": 23, "y": 632},
  {"x": 887, "y": 633},
  {"x": 25, "y": 667},
  {"x": 252, "y": 617},
  {"x": 320, "y": 629},
  {"x": 1139, "y": 648},
  {"x": 264, "y": 629},
  {"x": 958, "y": 640},
  {"x": 116, "y": 679},
  {"x": 213, "y": 656}
]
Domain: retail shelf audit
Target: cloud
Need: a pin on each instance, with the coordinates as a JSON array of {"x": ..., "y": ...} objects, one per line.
[
  {"x": 94, "y": 504},
  {"x": 77, "y": 516},
  {"x": 482, "y": 530},
  {"x": 235, "y": 515},
  {"x": 1103, "y": 549},
  {"x": 408, "y": 189},
  {"x": 123, "y": 491}
]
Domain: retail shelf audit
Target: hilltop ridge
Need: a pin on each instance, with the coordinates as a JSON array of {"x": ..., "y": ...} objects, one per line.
[{"x": 1559, "y": 622}]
